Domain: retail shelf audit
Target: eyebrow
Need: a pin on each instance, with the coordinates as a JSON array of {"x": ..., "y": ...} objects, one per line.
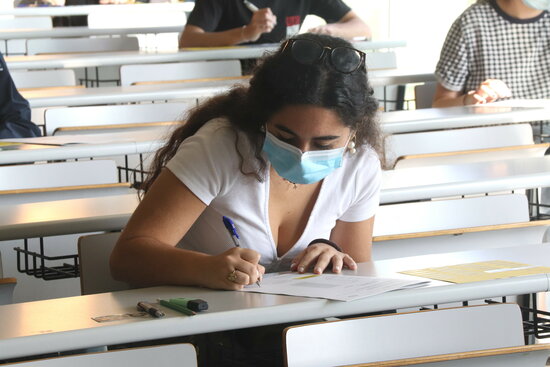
[{"x": 322, "y": 138}]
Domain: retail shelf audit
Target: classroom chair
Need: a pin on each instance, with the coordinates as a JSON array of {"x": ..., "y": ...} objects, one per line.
[
  {"x": 43, "y": 78},
  {"x": 424, "y": 94},
  {"x": 182, "y": 354},
  {"x": 39, "y": 46},
  {"x": 456, "y": 140},
  {"x": 94, "y": 252},
  {"x": 376, "y": 339},
  {"x": 180, "y": 71},
  {"x": 98, "y": 119},
  {"x": 26, "y": 183},
  {"x": 7, "y": 286},
  {"x": 460, "y": 224}
]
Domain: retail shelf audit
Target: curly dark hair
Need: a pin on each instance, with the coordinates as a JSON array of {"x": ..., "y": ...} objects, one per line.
[{"x": 279, "y": 81}]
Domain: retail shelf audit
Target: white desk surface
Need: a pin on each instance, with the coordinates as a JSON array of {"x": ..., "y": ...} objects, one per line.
[
  {"x": 379, "y": 78},
  {"x": 66, "y": 324},
  {"x": 397, "y": 186},
  {"x": 87, "y": 9},
  {"x": 51, "y": 97},
  {"x": 512, "y": 111},
  {"x": 50, "y": 218},
  {"x": 85, "y": 146},
  {"x": 79, "y": 60},
  {"x": 462, "y": 179},
  {"x": 60, "y": 32}
]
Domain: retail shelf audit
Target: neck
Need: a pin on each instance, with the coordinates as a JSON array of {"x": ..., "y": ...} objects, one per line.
[{"x": 518, "y": 9}]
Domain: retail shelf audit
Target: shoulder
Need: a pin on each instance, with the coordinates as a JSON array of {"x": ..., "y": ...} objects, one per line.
[{"x": 363, "y": 165}]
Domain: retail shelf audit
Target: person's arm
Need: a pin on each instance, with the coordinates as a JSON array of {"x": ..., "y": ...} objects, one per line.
[
  {"x": 355, "y": 240},
  {"x": 262, "y": 21},
  {"x": 488, "y": 91},
  {"x": 348, "y": 27},
  {"x": 145, "y": 253}
]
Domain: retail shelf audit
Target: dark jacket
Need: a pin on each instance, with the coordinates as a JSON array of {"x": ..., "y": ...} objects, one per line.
[{"x": 15, "y": 113}]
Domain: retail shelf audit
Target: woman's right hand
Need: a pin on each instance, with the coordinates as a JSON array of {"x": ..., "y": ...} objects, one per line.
[
  {"x": 232, "y": 269},
  {"x": 488, "y": 91}
]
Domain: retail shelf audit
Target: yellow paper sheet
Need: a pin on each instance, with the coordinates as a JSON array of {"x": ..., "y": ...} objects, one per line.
[
  {"x": 8, "y": 143},
  {"x": 478, "y": 271}
]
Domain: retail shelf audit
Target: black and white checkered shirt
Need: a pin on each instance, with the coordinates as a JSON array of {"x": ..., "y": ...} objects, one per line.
[{"x": 486, "y": 43}]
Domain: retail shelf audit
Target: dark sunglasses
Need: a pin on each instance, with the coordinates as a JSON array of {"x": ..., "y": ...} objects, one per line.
[{"x": 308, "y": 52}]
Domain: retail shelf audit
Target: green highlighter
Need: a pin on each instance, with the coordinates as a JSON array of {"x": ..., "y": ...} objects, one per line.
[
  {"x": 177, "y": 307},
  {"x": 185, "y": 305}
]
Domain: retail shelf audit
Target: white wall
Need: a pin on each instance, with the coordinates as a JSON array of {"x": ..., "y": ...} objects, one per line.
[{"x": 412, "y": 21}]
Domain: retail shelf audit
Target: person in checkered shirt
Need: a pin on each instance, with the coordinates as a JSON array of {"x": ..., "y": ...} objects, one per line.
[{"x": 495, "y": 49}]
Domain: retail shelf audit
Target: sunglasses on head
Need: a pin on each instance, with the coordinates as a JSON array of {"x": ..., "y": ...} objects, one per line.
[{"x": 308, "y": 52}]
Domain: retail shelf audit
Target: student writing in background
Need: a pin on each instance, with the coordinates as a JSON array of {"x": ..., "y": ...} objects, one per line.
[
  {"x": 292, "y": 159},
  {"x": 15, "y": 113},
  {"x": 495, "y": 49},
  {"x": 231, "y": 22}
]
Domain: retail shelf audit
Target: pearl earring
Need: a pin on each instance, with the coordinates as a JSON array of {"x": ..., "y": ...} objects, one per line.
[{"x": 351, "y": 146}]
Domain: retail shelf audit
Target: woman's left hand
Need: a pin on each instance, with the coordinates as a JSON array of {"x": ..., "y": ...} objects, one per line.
[{"x": 320, "y": 256}]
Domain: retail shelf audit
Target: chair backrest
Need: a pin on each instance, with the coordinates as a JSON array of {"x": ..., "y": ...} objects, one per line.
[
  {"x": 26, "y": 23},
  {"x": 43, "y": 78},
  {"x": 94, "y": 252},
  {"x": 129, "y": 18},
  {"x": 130, "y": 74},
  {"x": 72, "y": 45},
  {"x": 381, "y": 60},
  {"x": 424, "y": 94},
  {"x": 406, "y": 335},
  {"x": 399, "y": 145},
  {"x": 437, "y": 215},
  {"x": 46, "y": 175},
  {"x": 183, "y": 354},
  {"x": 460, "y": 239},
  {"x": 7, "y": 286},
  {"x": 471, "y": 156},
  {"x": 55, "y": 118},
  {"x": 533, "y": 355}
]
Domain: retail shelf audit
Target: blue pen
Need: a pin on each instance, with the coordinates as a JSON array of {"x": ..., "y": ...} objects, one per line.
[{"x": 228, "y": 223}]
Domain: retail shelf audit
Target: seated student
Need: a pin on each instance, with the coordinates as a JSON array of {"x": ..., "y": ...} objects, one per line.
[
  {"x": 292, "y": 159},
  {"x": 230, "y": 22},
  {"x": 495, "y": 49},
  {"x": 15, "y": 113}
]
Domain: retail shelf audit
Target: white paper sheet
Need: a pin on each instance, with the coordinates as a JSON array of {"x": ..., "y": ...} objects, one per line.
[{"x": 330, "y": 286}]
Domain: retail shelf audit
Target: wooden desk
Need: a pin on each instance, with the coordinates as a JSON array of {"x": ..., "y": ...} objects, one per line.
[
  {"x": 61, "y": 147},
  {"x": 513, "y": 111},
  {"x": 87, "y": 9},
  {"x": 429, "y": 182},
  {"x": 93, "y": 59},
  {"x": 128, "y": 94},
  {"x": 61, "y": 32},
  {"x": 66, "y": 324},
  {"x": 50, "y": 218}
]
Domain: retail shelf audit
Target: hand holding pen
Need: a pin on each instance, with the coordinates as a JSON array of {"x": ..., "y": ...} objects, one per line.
[
  {"x": 262, "y": 21},
  {"x": 232, "y": 229}
]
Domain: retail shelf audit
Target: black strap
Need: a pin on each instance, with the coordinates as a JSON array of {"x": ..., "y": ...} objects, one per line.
[{"x": 325, "y": 241}]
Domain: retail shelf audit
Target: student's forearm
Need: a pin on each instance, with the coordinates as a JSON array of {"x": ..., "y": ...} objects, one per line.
[
  {"x": 143, "y": 262},
  {"x": 350, "y": 29},
  {"x": 461, "y": 100},
  {"x": 213, "y": 39}
]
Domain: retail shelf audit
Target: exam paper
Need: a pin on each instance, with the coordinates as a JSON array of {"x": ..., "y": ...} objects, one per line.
[{"x": 337, "y": 287}]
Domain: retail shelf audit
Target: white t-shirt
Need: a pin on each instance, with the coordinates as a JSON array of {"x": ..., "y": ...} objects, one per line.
[{"x": 208, "y": 163}]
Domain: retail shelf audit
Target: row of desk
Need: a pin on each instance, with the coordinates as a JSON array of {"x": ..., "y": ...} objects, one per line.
[
  {"x": 49, "y": 218},
  {"x": 66, "y": 323},
  {"x": 92, "y": 59},
  {"x": 131, "y": 142}
]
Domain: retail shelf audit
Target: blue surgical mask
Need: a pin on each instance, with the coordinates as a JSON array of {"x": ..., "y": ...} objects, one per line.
[
  {"x": 298, "y": 167},
  {"x": 538, "y": 4}
]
